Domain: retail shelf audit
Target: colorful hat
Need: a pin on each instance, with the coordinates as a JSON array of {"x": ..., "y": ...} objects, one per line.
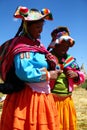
[
  {"x": 60, "y": 29},
  {"x": 62, "y": 35},
  {"x": 32, "y": 14}
]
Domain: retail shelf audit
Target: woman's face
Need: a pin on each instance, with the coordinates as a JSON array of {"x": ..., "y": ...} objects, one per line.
[
  {"x": 61, "y": 48},
  {"x": 35, "y": 29}
]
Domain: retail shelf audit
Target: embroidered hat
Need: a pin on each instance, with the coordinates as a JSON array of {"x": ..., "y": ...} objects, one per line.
[
  {"x": 60, "y": 29},
  {"x": 62, "y": 34},
  {"x": 32, "y": 14}
]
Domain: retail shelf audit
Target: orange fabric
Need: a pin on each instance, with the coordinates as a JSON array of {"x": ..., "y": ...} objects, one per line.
[
  {"x": 27, "y": 110},
  {"x": 67, "y": 112}
]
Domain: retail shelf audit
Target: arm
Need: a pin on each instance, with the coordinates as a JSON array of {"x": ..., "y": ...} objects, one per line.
[
  {"x": 81, "y": 77},
  {"x": 29, "y": 69},
  {"x": 77, "y": 76}
]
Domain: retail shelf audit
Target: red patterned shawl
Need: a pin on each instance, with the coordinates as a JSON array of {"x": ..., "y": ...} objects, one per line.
[{"x": 20, "y": 44}]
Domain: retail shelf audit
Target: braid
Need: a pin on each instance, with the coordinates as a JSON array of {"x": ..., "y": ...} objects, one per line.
[{"x": 20, "y": 29}]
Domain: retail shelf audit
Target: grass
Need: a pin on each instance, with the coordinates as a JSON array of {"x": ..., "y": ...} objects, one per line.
[{"x": 1, "y": 103}]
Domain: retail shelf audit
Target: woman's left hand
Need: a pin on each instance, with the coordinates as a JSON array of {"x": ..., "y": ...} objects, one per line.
[{"x": 71, "y": 74}]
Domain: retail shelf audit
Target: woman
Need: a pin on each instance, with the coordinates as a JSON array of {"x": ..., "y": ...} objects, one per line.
[
  {"x": 25, "y": 63},
  {"x": 63, "y": 86}
]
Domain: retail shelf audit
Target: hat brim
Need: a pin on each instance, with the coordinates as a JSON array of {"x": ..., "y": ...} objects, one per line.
[
  {"x": 31, "y": 15},
  {"x": 65, "y": 39}
]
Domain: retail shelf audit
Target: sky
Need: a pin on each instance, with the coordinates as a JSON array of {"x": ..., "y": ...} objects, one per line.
[{"x": 70, "y": 13}]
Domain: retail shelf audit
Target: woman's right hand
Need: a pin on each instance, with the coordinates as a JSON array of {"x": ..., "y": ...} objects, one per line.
[{"x": 55, "y": 73}]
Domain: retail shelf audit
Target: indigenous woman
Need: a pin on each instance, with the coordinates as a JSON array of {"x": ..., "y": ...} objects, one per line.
[
  {"x": 64, "y": 85},
  {"x": 28, "y": 66}
]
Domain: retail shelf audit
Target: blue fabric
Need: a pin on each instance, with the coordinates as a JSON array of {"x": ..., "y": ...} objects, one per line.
[{"x": 28, "y": 69}]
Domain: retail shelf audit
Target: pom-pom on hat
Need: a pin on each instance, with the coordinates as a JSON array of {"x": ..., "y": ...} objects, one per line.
[{"x": 32, "y": 14}]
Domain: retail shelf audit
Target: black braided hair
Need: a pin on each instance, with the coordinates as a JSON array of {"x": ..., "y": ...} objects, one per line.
[{"x": 20, "y": 29}]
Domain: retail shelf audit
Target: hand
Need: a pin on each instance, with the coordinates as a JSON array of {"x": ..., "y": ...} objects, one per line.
[
  {"x": 71, "y": 74},
  {"x": 55, "y": 73}
]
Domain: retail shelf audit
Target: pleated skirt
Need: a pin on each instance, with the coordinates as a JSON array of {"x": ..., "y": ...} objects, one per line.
[
  {"x": 67, "y": 112},
  {"x": 28, "y": 110}
]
